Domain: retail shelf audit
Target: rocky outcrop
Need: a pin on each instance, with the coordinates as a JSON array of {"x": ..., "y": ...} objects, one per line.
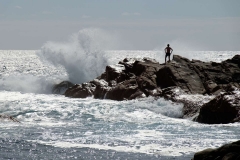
[
  {"x": 200, "y": 77},
  {"x": 226, "y": 152},
  {"x": 181, "y": 73},
  {"x": 138, "y": 78},
  {"x": 128, "y": 80}
]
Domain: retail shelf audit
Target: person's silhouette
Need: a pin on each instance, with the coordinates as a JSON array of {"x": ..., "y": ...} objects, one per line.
[{"x": 168, "y": 51}]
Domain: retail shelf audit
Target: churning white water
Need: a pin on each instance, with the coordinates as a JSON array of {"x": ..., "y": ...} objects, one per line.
[{"x": 56, "y": 127}]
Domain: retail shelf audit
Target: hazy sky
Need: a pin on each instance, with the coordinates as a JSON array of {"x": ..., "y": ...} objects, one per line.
[{"x": 138, "y": 24}]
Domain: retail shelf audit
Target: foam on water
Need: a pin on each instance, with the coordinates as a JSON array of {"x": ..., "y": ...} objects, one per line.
[
  {"x": 142, "y": 111},
  {"x": 139, "y": 126}
]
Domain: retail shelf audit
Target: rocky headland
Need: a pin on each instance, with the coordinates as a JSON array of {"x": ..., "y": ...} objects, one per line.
[
  {"x": 210, "y": 91},
  {"x": 214, "y": 87}
]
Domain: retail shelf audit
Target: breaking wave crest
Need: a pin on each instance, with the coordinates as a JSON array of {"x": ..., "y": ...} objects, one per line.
[{"x": 83, "y": 55}]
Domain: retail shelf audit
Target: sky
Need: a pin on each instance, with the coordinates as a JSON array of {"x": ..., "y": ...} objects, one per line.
[{"x": 137, "y": 24}]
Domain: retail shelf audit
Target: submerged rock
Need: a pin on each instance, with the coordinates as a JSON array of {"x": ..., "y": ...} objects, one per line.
[
  {"x": 9, "y": 118},
  {"x": 138, "y": 78}
]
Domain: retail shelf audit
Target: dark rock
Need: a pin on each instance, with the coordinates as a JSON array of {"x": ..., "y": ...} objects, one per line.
[
  {"x": 124, "y": 91},
  {"x": 114, "y": 72},
  {"x": 165, "y": 78},
  {"x": 155, "y": 93},
  {"x": 146, "y": 84},
  {"x": 80, "y": 91},
  {"x": 71, "y": 90},
  {"x": 235, "y": 60},
  {"x": 211, "y": 87},
  {"x": 61, "y": 87},
  {"x": 217, "y": 73},
  {"x": 226, "y": 152},
  {"x": 127, "y": 62},
  {"x": 224, "y": 108},
  {"x": 101, "y": 88},
  {"x": 170, "y": 93},
  {"x": 206, "y": 154},
  {"x": 146, "y": 67},
  {"x": 180, "y": 74},
  {"x": 231, "y": 156}
]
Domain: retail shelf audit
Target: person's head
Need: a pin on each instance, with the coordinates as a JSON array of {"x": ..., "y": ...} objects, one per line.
[{"x": 168, "y": 45}]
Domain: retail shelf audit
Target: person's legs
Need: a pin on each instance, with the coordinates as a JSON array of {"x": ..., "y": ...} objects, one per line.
[{"x": 165, "y": 57}]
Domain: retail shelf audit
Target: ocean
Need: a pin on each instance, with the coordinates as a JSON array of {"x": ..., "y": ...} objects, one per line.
[{"x": 56, "y": 127}]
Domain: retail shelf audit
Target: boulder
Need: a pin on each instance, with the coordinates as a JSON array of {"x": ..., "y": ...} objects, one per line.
[
  {"x": 180, "y": 73},
  {"x": 126, "y": 90},
  {"x": 61, "y": 87},
  {"x": 147, "y": 67},
  {"x": 113, "y": 72},
  {"x": 226, "y": 152},
  {"x": 80, "y": 91},
  {"x": 225, "y": 108},
  {"x": 101, "y": 88}
]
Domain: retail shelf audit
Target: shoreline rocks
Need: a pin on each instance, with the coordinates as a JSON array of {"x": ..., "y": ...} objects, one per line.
[
  {"x": 229, "y": 151},
  {"x": 139, "y": 78},
  {"x": 127, "y": 80},
  {"x": 224, "y": 108}
]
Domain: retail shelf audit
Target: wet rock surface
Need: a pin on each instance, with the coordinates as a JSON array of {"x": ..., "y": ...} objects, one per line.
[
  {"x": 226, "y": 152},
  {"x": 130, "y": 79},
  {"x": 224, "y": 108},
  {"x": 139, "y": 78},
  {"x": 61, "y": 87}
]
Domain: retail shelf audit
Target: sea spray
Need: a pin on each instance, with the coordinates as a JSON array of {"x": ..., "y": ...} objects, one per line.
[{"x": 83, "y": 55}]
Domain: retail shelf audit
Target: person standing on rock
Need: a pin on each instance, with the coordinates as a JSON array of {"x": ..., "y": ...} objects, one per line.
[{"x": 168, "y": 51}]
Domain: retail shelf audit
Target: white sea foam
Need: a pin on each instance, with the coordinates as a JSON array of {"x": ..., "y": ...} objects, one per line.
[{"x": 137, "y": 126}]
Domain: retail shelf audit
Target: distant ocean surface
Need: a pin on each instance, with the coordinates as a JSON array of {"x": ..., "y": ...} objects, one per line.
[{"x": 56, "y": 127}]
